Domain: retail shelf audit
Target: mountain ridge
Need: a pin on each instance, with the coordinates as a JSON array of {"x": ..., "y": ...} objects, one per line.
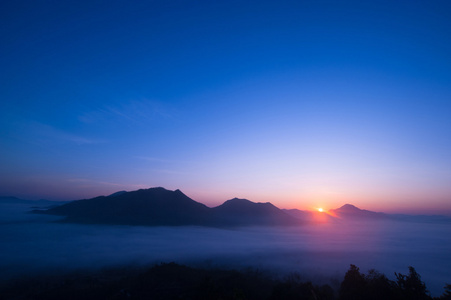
[
  {"x": 161, "y": 207},
  {"x": 247, "y": 212}
]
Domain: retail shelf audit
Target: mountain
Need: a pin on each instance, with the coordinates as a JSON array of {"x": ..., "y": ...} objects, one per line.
[
  {"x": 161, "y": 207},
  {"x": 154, "y": 206},
  {"x": 236, "y": 212},
  {"x": 349, "y": 211}
]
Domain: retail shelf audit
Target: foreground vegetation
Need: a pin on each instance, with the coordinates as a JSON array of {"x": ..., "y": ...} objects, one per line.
[{"x": 173, "y": 281}]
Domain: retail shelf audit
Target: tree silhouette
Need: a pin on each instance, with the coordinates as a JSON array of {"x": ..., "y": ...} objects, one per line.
[
  {"x": 353, "y": 286},
  {"x": 411, "y": 287},
  {"x": 294, "y": 288},
  {"x": 378, "y": 286},
  {"x": 447, "y": 294}
]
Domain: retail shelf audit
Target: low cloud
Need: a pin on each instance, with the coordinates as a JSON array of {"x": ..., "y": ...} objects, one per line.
[{"x": 32, "y": 244}]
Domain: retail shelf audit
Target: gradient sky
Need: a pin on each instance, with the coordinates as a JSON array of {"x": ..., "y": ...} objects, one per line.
[{"x": 300, "y": 103}]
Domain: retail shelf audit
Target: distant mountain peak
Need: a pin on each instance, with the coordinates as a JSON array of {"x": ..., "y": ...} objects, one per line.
[
  {"x": 352, "y": 211},
  {"x": 239, "y": 200},
  {"x": 154, "y": 189},
  {"x": 349, "y": 207}
]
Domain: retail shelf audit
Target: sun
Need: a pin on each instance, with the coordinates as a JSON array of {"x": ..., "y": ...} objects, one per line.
[{"x": 320, "y": 209}]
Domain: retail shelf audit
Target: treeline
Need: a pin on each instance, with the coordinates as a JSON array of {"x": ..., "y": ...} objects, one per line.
[
  {"x": 173, "y": 281},
  {"x": 374, "y": 286}
]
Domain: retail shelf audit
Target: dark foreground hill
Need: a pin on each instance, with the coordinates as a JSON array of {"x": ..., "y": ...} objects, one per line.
[{"x": 161, "y": 207}]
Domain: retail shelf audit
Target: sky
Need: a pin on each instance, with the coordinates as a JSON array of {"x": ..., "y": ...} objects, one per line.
[{"x": 303, "y": 104}]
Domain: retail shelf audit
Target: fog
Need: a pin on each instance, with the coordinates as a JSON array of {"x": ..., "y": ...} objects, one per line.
[{"x": 35, "y": 244}]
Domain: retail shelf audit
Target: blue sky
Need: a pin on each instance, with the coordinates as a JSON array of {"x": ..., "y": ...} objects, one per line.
[{"x": 300, "y": 103}]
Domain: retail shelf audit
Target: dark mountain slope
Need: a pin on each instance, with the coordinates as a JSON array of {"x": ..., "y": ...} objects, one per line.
[
  {"x": 237, "y": 212},
  {"x": 161, "y": 207},
  {"x": 349, "y": 211},
  {"x": 154, "y": 206}
]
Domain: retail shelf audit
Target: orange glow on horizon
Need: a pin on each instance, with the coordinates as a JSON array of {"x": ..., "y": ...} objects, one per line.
[{"x": 320, "y": 209}]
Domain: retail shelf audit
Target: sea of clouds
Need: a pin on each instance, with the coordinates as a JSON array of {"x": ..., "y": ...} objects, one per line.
[{"x": 35, "y": 244}]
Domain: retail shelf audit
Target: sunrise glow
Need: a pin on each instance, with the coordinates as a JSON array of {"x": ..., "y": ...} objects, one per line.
[
  {"x": 309, "y": 141},
  {"x": 294, "y": 117}
]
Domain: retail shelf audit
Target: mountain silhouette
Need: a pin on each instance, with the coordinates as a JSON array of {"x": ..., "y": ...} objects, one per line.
[
  {"x": 349, "y": 211},
  {"x": 161, "y": 207},
  {"x": 244, "y": 212},
  {"x": 154, "y": 206}
]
